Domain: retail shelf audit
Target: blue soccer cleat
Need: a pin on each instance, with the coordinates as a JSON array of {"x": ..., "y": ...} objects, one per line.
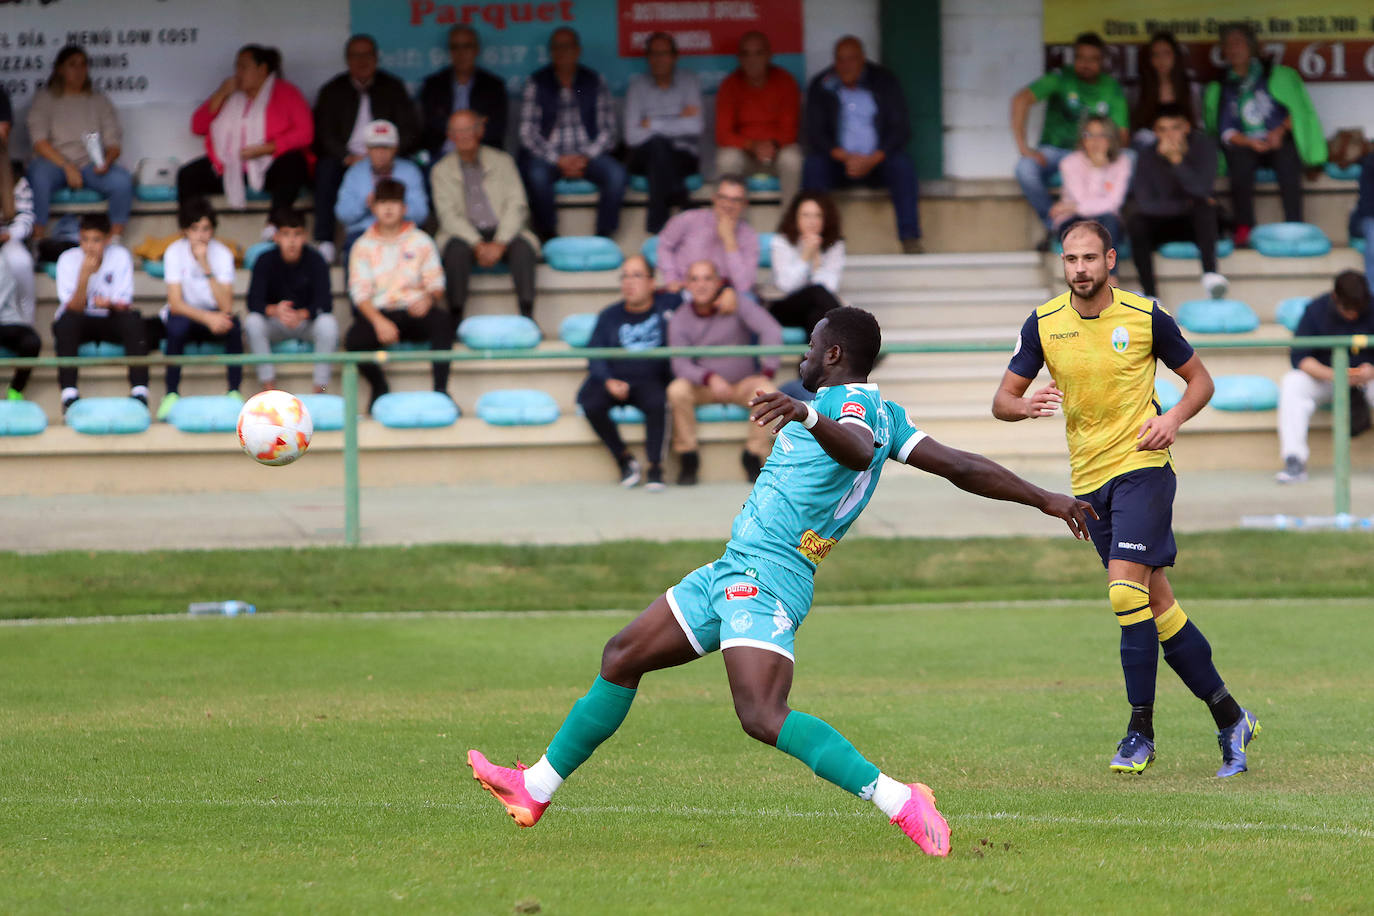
[
  {"x": 1133, "y": 754},
  {"x": 1234, "y": 740}
]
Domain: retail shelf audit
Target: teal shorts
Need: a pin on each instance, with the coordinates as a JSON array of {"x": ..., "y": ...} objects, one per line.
[{"x": 741, "y": 601}]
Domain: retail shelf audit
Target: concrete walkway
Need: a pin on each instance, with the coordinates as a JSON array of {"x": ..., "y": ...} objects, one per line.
[{"x": 908, "y": 503}]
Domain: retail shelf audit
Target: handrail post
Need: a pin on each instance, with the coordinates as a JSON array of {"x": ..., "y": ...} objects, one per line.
[
  {"x": 1340, "y": 428},
  {"x": 350, "y": 455}
]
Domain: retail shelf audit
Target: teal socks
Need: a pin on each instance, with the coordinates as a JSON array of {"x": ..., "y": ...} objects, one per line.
[
  {"x": 828, "y": 753},
  {"x": 592, "y": 720}
]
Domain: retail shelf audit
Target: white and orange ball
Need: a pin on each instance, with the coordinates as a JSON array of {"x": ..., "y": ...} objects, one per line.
[{"x": 275, "y": 428}]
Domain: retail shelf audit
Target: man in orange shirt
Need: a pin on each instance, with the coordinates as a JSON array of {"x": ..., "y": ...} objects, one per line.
[{"x": 757, "y": 108}]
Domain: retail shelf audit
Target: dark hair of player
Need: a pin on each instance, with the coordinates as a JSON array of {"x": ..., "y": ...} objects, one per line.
[
  {"x": 857, "y": 334},
  {"x": 100, "y": 222},
  {"x": 1352, "y": 290},
  {"x": 194, "y": 210},
  {"x": 1093, "y": 226},
  {"x": 287, "y": 218}
]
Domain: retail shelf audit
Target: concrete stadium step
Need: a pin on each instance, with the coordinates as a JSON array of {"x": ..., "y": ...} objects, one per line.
[
  {"x": 974, "y": 307},
  {"x": 1001, "y": 269}
]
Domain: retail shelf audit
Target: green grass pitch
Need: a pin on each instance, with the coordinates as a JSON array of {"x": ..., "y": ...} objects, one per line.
[{"x": 298, "y": 763}]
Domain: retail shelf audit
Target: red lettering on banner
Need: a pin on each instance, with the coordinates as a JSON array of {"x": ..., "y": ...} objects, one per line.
[
  {"x": 709, "y": 26},
  {"x": 496, "y": 15}
]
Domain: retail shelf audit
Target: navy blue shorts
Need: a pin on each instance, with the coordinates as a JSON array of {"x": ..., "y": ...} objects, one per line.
[{"x": 1135, "y": 517}]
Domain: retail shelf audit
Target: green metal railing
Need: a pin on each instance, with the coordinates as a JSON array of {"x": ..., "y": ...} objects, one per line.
[{"x": 1341, "y": 348}]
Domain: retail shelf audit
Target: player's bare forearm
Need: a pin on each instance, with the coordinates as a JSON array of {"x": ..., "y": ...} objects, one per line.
[
  {"x": 1199, "y": 391},
  {"x": 849, "y": 444},
  {"x": 1008, "y": 406}
]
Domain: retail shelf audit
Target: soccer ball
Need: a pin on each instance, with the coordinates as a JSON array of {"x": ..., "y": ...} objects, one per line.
[{"x": 275, "y": 428}]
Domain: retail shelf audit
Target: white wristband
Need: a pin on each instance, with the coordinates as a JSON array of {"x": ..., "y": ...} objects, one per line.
[{"x": 812, "y": 418}]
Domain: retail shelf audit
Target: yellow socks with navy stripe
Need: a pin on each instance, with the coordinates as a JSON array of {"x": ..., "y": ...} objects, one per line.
[
  {"x": 1190, "y": 655},
  {"x": 1139, "y": 650}
]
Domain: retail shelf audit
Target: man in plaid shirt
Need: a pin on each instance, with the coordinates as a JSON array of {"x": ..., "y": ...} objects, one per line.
[{"x": 567, "y": 131}]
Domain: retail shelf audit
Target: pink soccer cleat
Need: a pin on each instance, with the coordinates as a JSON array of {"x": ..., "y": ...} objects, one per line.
[
  {"x": 509, "y": 788},
  {"x": 920, "y": 821}
]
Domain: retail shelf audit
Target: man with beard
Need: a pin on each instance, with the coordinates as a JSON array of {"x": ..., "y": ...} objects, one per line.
[{"x": 1100, "y": 344}]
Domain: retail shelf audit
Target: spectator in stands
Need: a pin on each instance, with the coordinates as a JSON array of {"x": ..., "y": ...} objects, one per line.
[
  {"x": 1173, "y": 198},
  {"x": 1071, "y": 94},
  {"x": 567, "y": 130},
  {"x": 289, "y": 299},
  {"x": 95, "y": 302},
  {"x": 76, "y": 142},
  {"x": 397, "y": 288},
  {"x": 16, "y": 330},
  {"x": 808, "y": 259},
  {"x": 1264, "y": 117},
  {"x": 483, "y": 216},
  {"x": 663, "y": 125},
  {"x": 1096, "y": 178},
  {"x": 354, "y": 207},
  {"x": 462, "y": 86},
  {"x": 257, "y": 129},
  {"x": 1362, "y": 217},
  {"x": 639, "y": 321},
  {"x": 14, "y": 245},
  {"x": 757, "y": 109},
  {"x": 856, "y": 133},
  {"x": 719, "y": 234},
  {"x": 344, "y": 110},
  {"x": 6, "y": 169},
  {"x": 1164, "y": 79},
  {"x": 715, "y": 314},
  {"x": 199, "y": 271},
  {"x": 1347, "y": 309}
]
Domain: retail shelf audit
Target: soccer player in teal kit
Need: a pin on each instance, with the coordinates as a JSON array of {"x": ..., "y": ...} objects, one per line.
[{"x": 824, "y": 467}]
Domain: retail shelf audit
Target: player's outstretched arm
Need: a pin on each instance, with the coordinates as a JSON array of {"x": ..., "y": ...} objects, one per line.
[
  {"x": 1010, "y": 404},
  {"x": 1160, "y": 432},
  {"x": 850, "y": 444},
  {"x": 985, "y": 477}
]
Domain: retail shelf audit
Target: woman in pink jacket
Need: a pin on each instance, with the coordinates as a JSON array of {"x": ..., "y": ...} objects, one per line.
[
  {"x": 257, "y": 129},
  {"x": 1096, "y": 178}
]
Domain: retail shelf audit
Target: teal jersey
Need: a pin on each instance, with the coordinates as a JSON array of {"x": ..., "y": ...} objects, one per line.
[{"x": 804, "y": 500}]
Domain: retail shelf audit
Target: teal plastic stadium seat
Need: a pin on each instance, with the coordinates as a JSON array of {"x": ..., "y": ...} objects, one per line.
[
  {"x": 1289, "y": 240},
  {"x": 217, "y": 413},
  {"x": 50, "y": 268},
  {"x": 1358, "y": 244},
  {"x": 1055, "y": 181},
  {"x": 1217, "y": 316},
  {"x": 794, "y": 335},
  {"x": 1245, "y": 392},
  {"x": 250, "y": 257},
  {"x": 499, "y": 332},
  {"x": 1349, "y": 173},
  {"x": 576, "y": 330},
  {"x": 259, "y": 196},
  {"x": 1188, "y": 251},
  {"x": 154, "y": 269},
  {"x": 641, "y": 182},
  {"x": 100, "y": 348},
  {"x": 627, "y": 413},
  {"x": 155, "y": 193},
  {"x": 582, "y": 252},
  {"x": 415, "y": 410},
  {"x": 290, "y": 345},
  {"x": 21, "y": 418},
  {"x": 326, "y": 410},
  {"x": 77, "y": 196},
  {"x": 196, "y": 348},
  {"x": 408, "y": 345},
  {"x": 650, "y": 250},
  {"x": 763, "y": 182},
  {"x": 1291, "y": 310},
  {"x": 6, "y": 351},
  {"x": 766, "y": 249},
  {"x": 108, "y": 416},
  {"x": 573, "y": 186},
  {"x": 721, "y": 413},
  {"x": 517, "y": 407},
  {"x": 1166, "y": 393},
  {"x": 1265, "y": 176}
]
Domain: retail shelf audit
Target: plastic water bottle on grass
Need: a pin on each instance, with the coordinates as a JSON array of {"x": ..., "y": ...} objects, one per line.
[{"x": 224, "y": 608}]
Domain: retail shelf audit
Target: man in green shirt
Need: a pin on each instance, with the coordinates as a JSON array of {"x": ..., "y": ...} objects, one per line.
[{"x": 1071, "y": 94}]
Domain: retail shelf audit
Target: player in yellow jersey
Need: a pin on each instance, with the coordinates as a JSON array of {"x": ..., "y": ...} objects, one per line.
[{"x": 1100, "y": 344}]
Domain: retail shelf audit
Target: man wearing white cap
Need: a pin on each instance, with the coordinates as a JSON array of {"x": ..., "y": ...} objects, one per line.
[{"x": 354, "y": 205}]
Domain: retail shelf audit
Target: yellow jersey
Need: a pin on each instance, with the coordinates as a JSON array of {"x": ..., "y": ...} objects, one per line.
[{"x": 1106, "y": 368}]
